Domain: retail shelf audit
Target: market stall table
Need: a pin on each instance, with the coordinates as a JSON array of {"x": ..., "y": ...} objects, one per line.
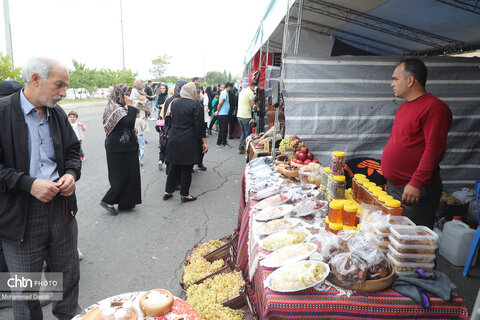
[
  {"x": 313, "y": 304},
  {"x": 180, "y": 310}
]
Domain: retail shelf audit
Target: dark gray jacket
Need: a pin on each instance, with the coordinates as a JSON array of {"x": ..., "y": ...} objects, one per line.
[{"x": 15, "y": 182}]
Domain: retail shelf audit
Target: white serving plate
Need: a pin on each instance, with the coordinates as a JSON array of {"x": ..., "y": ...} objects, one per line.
[
  {"x": 266, "y": 202},
  {"x": 292, "y": 253},
  {"x": 290, "y": 223},
  {"x": 275, "y": 212},
  {"x": 281, "y": 270},
  {"x": 283, "y": 233}
]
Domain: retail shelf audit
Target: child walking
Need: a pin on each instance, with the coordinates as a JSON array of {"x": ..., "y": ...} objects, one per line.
[
  {"x": 79, "y": 128},
  {"x": 140, "y": 126}
]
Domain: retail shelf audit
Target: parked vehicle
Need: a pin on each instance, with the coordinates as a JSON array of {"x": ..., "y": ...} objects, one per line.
[
  {"x": 77, "y": 93},
  {"x": 101, "y": 93}
]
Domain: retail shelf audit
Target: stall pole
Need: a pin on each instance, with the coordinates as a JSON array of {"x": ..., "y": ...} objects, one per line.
[{"x": 285, "y": 45}]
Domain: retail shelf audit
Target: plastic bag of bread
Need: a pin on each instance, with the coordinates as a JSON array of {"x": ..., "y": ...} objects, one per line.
[
  {"x": 327, "y": 244},
  {"x": 363, "y": 245},
  {"x": 348, "y": 268},
  {"x": 343, "y": 237},
  {"x": 379, "y": 267}
]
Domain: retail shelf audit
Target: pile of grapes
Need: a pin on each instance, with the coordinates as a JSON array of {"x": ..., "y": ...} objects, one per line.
[{"x": 293, "y": 141}]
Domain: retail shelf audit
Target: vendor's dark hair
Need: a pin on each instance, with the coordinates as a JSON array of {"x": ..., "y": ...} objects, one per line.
[
  {"x": 194, "y": 78},
  {"x": 417, "y": 69},
  {"x": 252, "y": 84},
  {"x": 228, "y": 84}
]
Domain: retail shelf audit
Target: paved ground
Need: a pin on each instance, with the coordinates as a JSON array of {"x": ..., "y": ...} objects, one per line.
[{"x": 146, "y": 248}]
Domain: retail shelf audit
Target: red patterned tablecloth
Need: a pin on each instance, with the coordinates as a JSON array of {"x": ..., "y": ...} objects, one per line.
[{"x": 312, "y": 304}]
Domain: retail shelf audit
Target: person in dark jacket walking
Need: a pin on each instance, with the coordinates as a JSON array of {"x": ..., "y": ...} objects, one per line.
[
  {"x": 121, "y": 145},
  {"x": 39, "y": 165},
  {"x": 186, "y": 128}
]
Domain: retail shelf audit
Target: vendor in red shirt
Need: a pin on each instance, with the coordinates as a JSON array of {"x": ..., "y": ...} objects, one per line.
[{"x": 410, "y": 160}]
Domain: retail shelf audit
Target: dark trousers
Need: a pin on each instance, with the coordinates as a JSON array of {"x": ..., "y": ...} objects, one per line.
[
  {"x": 232, "y": 121},
  {"x": 3, "y": 263},
  {"x": 212, "y": 122},
  {"x": 182, "y": 173},
  {"x": 222, "y": 135},
  {"x": 423, "y": 213},
  {"x": 52, "y": 237}
]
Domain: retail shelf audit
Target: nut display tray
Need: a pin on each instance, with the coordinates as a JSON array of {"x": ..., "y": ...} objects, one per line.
[
  {"x": 418, "y": 235},
  {"x": 412, "y": 248},
  {"x": 411, "y": 257},
  {"x": 411, "y": 267}
]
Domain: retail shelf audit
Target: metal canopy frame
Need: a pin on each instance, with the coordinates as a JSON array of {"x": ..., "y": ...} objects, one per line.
[
  {"x": 472, "y": 6},
  {"x": 353, "y": 37},
  {"x": 382, "y": 25}
]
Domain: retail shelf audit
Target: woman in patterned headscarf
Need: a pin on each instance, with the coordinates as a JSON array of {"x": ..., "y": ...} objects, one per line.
[{"x": 122, "y": 152}]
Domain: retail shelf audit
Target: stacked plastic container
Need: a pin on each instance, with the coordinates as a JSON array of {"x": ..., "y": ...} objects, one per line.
[
  {"x": 412, "y": 248},
  {"x": 382, "y": 230}
]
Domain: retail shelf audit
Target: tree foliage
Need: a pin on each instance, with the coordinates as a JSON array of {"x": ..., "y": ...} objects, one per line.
[
  {"x": 160, "y": 65},
  {"x": 92, "y": 79},
  {"x": 216, "y": 77},
  {"x": 7, "y": 72}
]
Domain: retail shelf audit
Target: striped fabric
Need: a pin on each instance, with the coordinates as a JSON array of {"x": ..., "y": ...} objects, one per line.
[
  {"x": 347, "y": 104},
  {"x": 312, "y": 304}
]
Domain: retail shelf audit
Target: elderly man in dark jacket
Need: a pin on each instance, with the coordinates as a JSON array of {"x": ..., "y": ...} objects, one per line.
[{"x": 39, "y": 164}]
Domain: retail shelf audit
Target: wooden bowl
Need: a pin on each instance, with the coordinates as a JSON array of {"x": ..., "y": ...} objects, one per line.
[
  {"x": 156, "y": 310},
  {"x": 288, "y": 173},
  {"x": 367, "y": 285}
]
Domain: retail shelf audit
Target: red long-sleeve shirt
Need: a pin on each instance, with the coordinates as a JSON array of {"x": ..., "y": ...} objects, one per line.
[{"x": 417, "y": 143}]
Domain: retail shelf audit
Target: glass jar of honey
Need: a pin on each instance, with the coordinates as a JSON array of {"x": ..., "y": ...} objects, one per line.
[{"x": 335, "y": 211}]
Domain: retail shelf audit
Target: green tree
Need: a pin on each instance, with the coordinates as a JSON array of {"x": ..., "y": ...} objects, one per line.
[
  {"x": 92, "y": 79},
  {"x": 216, "y": 77},
  {"x": 7, "y": 71},
  {"x": 160, "y": 65},
  {"x": 229, "y": 77}
]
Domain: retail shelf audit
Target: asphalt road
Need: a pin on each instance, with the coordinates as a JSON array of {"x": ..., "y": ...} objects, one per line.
[{"x": 145, "y": 248}]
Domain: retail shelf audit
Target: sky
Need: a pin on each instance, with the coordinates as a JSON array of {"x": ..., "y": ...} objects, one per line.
[{"x": 200, "y": 36}]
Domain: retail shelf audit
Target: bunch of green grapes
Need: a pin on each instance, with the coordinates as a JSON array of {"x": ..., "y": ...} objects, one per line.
[
  {"x": 215, "y": 290},
  {"x": 204, "y": 249},
  {"x": 199, "y": 268},
  {"x": 218, "y": 312},
  {"x": 286, "y": 142}
]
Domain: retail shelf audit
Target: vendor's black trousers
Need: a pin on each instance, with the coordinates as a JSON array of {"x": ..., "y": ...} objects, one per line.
[
  {"x": 222, "y": 135},
  {"x": 179, "y": 172},
  {"x": 423, "y": 213}
]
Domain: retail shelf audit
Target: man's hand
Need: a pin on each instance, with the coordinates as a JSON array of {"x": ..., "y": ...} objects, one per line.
[
  {"x": 205, "y": 148},
  {"x": 215, "y": 113},
  {"x": 410, "y": 195},
  {"x": 66, "y": 185},
  {"x": 44, "y": 190}
]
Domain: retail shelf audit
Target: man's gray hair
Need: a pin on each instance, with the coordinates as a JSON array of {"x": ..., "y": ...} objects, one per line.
[{"x": 39, "y": 65}]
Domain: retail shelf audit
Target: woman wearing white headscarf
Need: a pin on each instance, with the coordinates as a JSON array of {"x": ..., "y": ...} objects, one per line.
[{"x": 187, "y": 127}]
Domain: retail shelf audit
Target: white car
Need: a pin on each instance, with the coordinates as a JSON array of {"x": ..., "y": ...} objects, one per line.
[
  {"x": 77, "y": 93},
  {"x": 101, "y": 93}
]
